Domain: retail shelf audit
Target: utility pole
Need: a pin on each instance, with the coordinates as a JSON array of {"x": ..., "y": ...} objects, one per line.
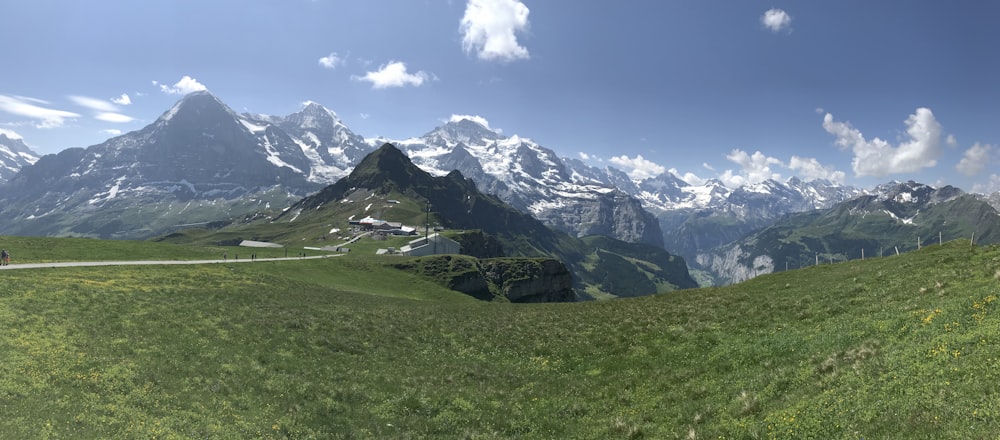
[{"x": 427, "y": 225}]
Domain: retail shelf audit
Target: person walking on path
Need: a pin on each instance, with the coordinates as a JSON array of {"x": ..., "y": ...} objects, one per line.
[{"x": 4, "y": 257}]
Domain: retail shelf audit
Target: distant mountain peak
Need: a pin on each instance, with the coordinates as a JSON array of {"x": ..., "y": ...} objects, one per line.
[
  {"x": 314, "y": 116},
  {"x": 465, "y": 130},
  {"x": 16, "y": 145},
  {"x": 317, "y": 109},
  {"x": 198, "y": 103}
]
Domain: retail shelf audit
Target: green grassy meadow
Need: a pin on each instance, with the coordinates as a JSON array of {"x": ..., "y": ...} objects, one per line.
[{"x": 895, "y": 347}]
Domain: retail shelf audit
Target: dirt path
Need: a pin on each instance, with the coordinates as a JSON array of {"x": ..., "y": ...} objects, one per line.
[{"x": 153, "y": 262}]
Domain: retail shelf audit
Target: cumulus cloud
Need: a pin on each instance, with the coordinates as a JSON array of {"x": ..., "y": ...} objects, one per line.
[
  {"x": 951, "y": 141},
  {"x": 490, "y": 28},
  {"x": 991, "y": 186},
  {"x": 689, "y": 177},
  {"x": 122, "y": 100},
  {"x": 112, "y": 132},
  {"x": 583, "y": 155},
  {"x": 394, "y": 74},
  {"x": 776, "y": 20},
  {"x": 808, "y": 168},
  {"x": 755, "y": 168},
  {"x": 975, "y": 159},
  {"x": 45, "y": 117},
  {"x": 878, "y": 158},
  {"x": 474, "y": 118},
  {"x": 183, "y": 87},
  {"x": 331, "y": 61},
  {"x": 758, "y": 167},
  {"x": 638, "y": 168}
]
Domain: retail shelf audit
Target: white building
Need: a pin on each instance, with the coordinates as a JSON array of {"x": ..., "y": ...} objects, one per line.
[{"x": 433, "y": 245}]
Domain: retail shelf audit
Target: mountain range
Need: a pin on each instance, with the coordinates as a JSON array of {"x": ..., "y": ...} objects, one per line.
[
  {"x": 891, "y": 218},
  {"x": 387, "y": 182},
  {"x": 201, "y": 162}
]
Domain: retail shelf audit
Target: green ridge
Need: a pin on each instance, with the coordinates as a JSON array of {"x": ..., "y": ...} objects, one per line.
[{"x": 895, "y": 347}]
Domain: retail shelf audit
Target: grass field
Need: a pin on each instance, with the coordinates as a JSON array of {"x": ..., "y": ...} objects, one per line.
[{"x": 896, "y": 347}]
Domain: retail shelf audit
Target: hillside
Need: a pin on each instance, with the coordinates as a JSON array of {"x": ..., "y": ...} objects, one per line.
[
  {"x": 601, "y": 267},
  {"x": 895, "y": 347},
  {"x": 893, "y": 218}
]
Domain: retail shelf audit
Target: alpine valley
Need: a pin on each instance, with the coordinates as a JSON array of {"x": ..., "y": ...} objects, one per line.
[{"x": 202, "y": 164}]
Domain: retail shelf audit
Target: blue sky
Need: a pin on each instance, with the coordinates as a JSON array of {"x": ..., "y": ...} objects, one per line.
[{"x": 856, "y": 91}]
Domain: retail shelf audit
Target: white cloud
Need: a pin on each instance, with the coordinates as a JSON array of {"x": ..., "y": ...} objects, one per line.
[
  {"x": 331, "y": 61},
  {"x": 975, "y": 159},
  {"x": 638, "y": 168},
  {"x": 583, "y": 155},
  {"x": 111, "y": 131},
  {"x": 105, "y": 110},
  {"x": 776, "y": 20},
  {"x": 10, "y": 134},
  {"x": 394, "y": 74},
  {"x": 490, "y": 27},
  {"x": 47, "y": 117},
  {"x": 754, "y": 168},
  {"x": 878, "y": 158},
  {"x": 94, "y": 103},
  {"x": 122, "y": 100},
  {"x": 365, "y": 115},
  {"x": 992, "y": 186},
  {"x": 183, "y": 87},
  {"x": 951, "y": 141},
  {"x": 113, "y": 117},
  {"x": 691, "y": 178},
  {"x": 732, "y": 180},
  {"x": 808, "y": 168},
  {"x": 474, "y": 118},
  {"x": 758, "y": 167}
]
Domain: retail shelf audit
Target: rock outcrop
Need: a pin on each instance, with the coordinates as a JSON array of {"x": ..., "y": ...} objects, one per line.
[
  {"x": 529, "y": 280},
  {"x": 522, "y": 280}
]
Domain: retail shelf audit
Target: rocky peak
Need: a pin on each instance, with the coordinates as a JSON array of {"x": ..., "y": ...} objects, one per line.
[
  {"x": 16, "y": 146},
  {"x": 314, "y": 116},
  {"x": 464, "y": 131}
]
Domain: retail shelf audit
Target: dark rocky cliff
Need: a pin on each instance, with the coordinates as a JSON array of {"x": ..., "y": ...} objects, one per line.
[{"x": 523, "y": 280}]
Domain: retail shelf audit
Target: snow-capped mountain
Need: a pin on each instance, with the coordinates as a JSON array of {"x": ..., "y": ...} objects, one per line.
[
  {"x": 891, "y": 217},
  {"x": 201, "y": 154},
  {"x": 198, "y": 162},
  {"x": 532, "y": 179},
  {"x": 330, "y": 148},
  {"x": 695, "y": 218},
  {"x": 14, "y": 155}
]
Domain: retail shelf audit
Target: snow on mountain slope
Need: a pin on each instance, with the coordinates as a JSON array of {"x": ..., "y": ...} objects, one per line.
[
  {"x": 14, "y": 155},
  {"x": 531, "y": 178}
]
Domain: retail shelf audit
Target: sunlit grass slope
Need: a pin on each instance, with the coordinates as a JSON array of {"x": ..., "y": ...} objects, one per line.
[
  {"x": 897, "y": 347},
  {"x": 50, "y": 249}
]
